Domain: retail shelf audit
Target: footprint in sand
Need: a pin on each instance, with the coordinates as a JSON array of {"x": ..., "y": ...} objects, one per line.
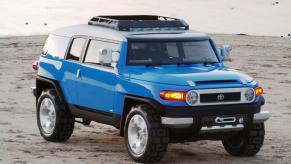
[
  {"x": 20, "y": 162},
  {"x": 286, "y": 81},
  {"x": 20, "y": 136},
  {"x": 26, "y": 151},
  {"x": 14, "y": 131},
  {"x": 6, "y": 109},
  {"x": 18, "y": 87},
  {"x": 4, "y": 123}
]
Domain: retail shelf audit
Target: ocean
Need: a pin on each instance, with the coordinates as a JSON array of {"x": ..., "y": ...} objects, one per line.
[{"x": 252, "y": 17}]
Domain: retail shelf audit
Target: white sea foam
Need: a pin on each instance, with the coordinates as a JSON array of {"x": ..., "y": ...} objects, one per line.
[{"x": 254, "y": 17}]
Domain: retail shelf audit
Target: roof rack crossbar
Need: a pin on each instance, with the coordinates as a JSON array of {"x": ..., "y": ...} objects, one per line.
[{"x": 128, "y": 22}]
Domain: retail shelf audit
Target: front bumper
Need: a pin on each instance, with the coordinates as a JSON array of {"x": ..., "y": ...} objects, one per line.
[
  {"x": 261, "y": 117},
  {"x": 177, "y": 122},
  {"x": 194, "y": 116},
  {"x": 33, "y": 91},
  {"x": 186, "y": 122}
]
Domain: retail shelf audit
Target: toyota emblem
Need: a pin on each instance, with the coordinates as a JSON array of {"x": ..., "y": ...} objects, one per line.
[{"x": 220, "y": 97}]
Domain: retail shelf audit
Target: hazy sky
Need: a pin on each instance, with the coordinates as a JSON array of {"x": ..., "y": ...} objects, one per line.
[{"x": 256, "y": 17}]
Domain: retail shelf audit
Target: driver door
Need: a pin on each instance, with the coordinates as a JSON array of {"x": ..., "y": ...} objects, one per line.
[{"x": 96, "y": 82}]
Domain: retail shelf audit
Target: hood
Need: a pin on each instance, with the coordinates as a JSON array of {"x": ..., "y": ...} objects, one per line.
[{"x": 184, "y": 76}]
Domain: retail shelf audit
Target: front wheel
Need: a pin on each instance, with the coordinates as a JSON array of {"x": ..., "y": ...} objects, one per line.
[
  {"x": 145, "y": 138},
  {"x": 247, "y": 142}
]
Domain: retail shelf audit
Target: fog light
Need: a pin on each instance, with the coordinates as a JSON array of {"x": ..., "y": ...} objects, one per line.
[
  {"x": 192, "y": 97},
  {"x": 249, "y": 94},
  {"x": 241, "y": 120}
]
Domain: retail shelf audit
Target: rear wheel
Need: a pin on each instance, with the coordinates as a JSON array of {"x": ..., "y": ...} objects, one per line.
[
  {"x": 55, "y": 122},
  {"x": 247, "y": 142},
  {"x": 145, "y": 138}
]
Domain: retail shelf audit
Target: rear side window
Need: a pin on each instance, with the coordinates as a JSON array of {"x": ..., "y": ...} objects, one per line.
[
  {"x": 92, "y": 54},
  {"x": 76, "y": 49},
  {"x": 56, "y": 46}
]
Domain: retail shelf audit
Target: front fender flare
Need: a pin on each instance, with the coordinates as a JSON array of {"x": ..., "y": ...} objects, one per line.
[{"x": 155, "y": 104}]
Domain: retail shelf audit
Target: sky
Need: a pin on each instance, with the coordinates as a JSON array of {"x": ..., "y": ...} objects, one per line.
[{"x": 253, "y": 17}]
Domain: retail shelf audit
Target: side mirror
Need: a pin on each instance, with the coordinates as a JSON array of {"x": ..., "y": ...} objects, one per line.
[
  {"x": 105, "y": 56},
  {"x": 225, "y": 52},
  {"x": 115, "y": 58}
]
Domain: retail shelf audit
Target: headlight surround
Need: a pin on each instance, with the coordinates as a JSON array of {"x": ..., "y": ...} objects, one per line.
[
  {"x": 249, "y": 94},
  {"x": 192, "y": 97}
]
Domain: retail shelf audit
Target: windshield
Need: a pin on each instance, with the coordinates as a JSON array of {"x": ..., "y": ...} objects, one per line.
[{"x": 170, "y": 52}]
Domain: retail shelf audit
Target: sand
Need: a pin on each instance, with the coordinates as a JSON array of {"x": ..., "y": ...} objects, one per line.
[{"x": 268, "y": 59}]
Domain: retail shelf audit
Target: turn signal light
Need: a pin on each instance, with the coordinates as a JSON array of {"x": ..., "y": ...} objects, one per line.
[
  {"x": 259, "y": 91},
  {"x": 173, "y": 95}
]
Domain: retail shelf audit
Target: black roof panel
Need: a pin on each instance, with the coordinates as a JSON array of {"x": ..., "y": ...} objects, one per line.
[{"x": 128, "y": 22}]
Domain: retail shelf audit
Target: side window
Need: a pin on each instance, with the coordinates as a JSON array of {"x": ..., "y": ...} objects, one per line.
[
  {"x": 172, "y": 50},
  {"x": 76, "y": 49},
  {"x": 56, "y": 46},
  {"x": 92, "y": 54}
]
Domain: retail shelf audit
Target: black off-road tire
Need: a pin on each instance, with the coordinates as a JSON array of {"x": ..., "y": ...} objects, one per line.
[
  {"x": 247, "y": 142},
  {"x": 158, "y": 136},
  {"x": 65, "y": 121}
]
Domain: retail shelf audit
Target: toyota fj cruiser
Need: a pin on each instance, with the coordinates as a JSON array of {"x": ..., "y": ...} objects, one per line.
[{"x": 151, "y": 77}]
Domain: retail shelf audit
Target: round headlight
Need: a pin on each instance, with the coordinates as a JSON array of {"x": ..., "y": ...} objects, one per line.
[
  {"x": 249, "y": 94},
  {"x": 192, "y": 97}
]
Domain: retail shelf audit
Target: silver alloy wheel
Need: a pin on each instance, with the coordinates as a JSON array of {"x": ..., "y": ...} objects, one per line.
[
  {"x": 137, "y": 134},
  {"x": 47, "y": 116}
]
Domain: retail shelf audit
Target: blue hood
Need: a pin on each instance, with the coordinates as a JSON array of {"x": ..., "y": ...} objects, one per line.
[{"x": 179, "y": 75}]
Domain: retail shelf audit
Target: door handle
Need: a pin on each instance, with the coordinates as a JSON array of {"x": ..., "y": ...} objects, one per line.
[{"x": 78, "y": 73}]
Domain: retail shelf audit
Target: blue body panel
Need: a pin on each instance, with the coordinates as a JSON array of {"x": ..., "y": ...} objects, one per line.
[
  {"x": 104, "y": 89},
  {"x": 96, "y": 88},
  {"x": 149, "y": 83}
]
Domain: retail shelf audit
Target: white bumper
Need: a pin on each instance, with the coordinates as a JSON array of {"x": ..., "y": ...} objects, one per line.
[
  {"x": 177, "y": 122},
  {"x": 187, "y": 122},
  {"x": 261, "y": 116}
]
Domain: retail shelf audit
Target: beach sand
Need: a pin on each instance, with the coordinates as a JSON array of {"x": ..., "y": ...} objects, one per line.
[{"x": 267, "y": 59}]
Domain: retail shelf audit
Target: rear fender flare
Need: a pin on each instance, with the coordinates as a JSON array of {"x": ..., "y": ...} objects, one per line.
[{"x": 41, "y": 84}]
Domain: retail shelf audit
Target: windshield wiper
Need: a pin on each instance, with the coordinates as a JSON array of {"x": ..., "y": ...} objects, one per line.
[{"x": 153, "y": 64}]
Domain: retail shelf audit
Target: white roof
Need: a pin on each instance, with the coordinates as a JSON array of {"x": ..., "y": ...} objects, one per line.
[
  {"x": 111, "y": 34},
  {"x": 89, "y": 30}
]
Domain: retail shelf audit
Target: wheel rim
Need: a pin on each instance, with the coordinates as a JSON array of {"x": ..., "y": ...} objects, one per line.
[
  {"x": 47, "y": 116},
  {"x": 137, "y": 135}
]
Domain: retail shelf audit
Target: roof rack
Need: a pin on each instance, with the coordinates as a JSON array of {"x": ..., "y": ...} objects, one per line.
[{"x": 131, "y": 22}]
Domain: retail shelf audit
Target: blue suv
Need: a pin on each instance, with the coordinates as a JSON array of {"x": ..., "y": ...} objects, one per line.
[{"x": 151, "y": 77}]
